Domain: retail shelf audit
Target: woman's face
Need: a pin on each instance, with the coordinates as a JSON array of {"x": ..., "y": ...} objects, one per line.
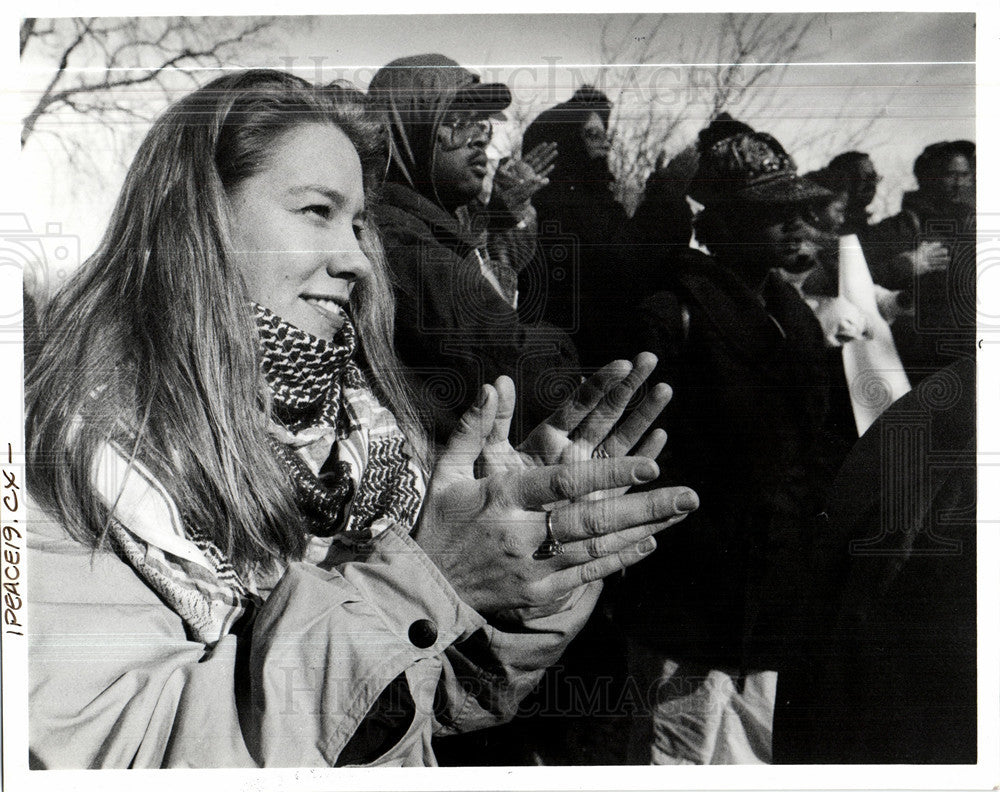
[
  {"x": 595, "y": 137},
  {"x": 830, "y": 216},
  {"x": 296, "y": 225},
  {"x": 781, "y": 236}
]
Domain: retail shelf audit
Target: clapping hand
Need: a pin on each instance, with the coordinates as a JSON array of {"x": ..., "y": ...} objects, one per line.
[
  {"x": 928, "y": 257},
  {"x": 841, "y": 320},
  {"x": 486, "y": 534},
  {"x": 587, "y": 424},
  {"x": 517, "y": 180}
]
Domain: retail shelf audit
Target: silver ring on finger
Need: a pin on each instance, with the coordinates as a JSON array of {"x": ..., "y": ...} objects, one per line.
[{"x": 550, "y": 547}]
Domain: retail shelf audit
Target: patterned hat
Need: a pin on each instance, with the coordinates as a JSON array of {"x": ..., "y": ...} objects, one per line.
[{"x": 753, "y": 167}]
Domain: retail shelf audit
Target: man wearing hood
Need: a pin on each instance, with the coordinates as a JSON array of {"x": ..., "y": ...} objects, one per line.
[{"x": 456, "y": 322}]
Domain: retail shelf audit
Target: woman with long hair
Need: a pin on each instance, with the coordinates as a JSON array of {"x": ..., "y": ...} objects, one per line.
[{"x": 236, "y": 558}]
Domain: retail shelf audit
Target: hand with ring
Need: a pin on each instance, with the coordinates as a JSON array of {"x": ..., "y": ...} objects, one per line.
[
  {"x": 550, "y": 546},
  {"x": 587, "y": 425},
  {"x": 502, "y": 544}
]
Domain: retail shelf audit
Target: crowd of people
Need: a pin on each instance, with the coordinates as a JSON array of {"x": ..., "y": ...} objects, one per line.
[{"x": 339, "y": 458}]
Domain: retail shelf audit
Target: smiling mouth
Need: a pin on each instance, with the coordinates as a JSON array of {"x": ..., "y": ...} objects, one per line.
[{"x": 329, "y": 307}]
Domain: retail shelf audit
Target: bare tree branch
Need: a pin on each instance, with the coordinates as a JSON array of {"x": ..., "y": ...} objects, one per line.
[
  {"x": 130, "y": 53},
  {"x": 27, "y": 30},
  {"x": 724, "y": 66}
]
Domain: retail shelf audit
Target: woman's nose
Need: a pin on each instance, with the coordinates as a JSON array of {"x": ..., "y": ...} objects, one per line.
[{"x": 348, "y": 260}]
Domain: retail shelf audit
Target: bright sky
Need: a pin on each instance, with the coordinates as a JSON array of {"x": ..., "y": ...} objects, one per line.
[{"x": 911, "y": 71}]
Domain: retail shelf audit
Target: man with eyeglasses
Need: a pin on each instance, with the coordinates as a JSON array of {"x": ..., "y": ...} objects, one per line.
[{"x": 453, "y": 261}]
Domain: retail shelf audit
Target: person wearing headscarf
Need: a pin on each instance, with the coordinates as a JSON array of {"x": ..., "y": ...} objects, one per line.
[
  {"x": 456, "y": 322},
  {"x": 579, "y": 280},
  {"x": 747, "y": 358}
]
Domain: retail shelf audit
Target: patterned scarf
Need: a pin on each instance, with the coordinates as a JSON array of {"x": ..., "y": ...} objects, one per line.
[
  {"x": 318, "y": 387},
  {"x": 352, "y": 467}
]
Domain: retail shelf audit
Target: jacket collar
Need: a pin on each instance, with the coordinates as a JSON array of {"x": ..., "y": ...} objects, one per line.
[
  {"x": 756, "y": 333},
  {"x": 448, "y": 229},
  {"x": 928, "y": 208}
]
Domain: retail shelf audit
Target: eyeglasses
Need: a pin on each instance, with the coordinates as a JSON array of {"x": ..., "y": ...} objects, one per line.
[{"x": 460, "y": 132}]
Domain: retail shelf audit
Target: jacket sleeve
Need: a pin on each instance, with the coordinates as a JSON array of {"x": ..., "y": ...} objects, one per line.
[
  {"x": 884, "y": 246},
  {"x": 497, "y": 667},
  {"x": 113, "y": 679},
  {"x": 511, "y": 239},
  {"x": 115, "y": 682},
  {"x": 663, "y": 325}
]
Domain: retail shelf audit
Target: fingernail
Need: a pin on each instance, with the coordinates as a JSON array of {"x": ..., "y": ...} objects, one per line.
[
  {"x": 647, "y": 545},
  {"x": 647, "y": 471},
  {"x": 686, "y": 501},
  {"x": 484, "y": 396}
]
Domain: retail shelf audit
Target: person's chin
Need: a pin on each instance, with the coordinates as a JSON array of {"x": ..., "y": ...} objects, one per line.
[{"x": 473, "y": 185}]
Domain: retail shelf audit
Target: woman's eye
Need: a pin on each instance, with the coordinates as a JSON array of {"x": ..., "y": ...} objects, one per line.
[
  {"x": 358, "y": 231},
  {"x": 319, "y": 210}
]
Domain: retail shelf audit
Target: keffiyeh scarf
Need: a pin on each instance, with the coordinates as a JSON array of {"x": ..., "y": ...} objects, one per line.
[
  {"x": 353, "y": 470},
  {"x": 323, "y": 402}
]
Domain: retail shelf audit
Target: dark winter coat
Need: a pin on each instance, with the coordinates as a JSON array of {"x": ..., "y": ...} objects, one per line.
[
  {"x": 745, "y": 431},
  {"x": 453, "y": 329},
  {"x": 944, "y": 322},
  {"x": 580, "y": 278},
  {"x": 884, "y": 668}
]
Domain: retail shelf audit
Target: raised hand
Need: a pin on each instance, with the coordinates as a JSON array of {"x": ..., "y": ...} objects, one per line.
[
  {"x": 585, "y": 426},
  {"x": 517, "y": 180},
  {"x": 541, "y": 159},
  {"x": 485, "y": 534},
  {"x": 841, "y": 320},
  {"x": 928, "y": 257}
]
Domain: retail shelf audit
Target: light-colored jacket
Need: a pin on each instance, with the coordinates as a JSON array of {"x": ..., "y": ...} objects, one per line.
[{"x": 116, "y": 682}]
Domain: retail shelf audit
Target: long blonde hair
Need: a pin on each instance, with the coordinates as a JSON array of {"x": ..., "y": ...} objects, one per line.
[{"x": 152, "y": 344}]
